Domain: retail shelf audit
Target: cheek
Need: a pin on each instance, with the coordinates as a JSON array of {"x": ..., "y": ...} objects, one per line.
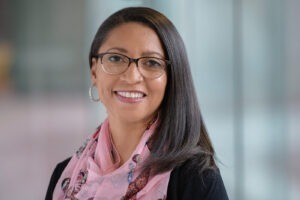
[
  {"x": 104, "y": 92},
  {"x": 102, "y": 88},
  {"x": 160, "y": 88}
]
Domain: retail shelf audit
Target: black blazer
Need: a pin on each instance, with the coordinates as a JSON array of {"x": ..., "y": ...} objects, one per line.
[{"x": 185, "y": 184}]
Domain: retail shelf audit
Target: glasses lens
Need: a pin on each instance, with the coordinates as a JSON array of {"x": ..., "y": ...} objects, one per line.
[
  {"x": 152, "y": 67},
  {"x": 114, "y": 63}
]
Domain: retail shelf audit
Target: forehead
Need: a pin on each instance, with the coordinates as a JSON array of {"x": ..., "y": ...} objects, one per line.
[
  {"x": 133, "y": 35},
  {"x": 131, "y": 26}
]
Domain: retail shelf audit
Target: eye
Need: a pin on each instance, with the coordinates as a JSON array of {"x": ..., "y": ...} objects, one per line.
[
  {"x": 115, "y": 58},
  {"x": 152, "y": 63}
]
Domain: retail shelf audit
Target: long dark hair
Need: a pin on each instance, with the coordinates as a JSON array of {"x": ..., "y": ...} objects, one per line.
[{"x": 181, "y": 134}]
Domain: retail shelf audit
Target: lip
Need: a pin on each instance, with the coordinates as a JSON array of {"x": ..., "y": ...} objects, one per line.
[{"x": 130, "y": 96}]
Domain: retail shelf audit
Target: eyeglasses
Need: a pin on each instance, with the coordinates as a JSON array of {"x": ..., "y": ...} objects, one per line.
[{"x": 149, "y": 67}]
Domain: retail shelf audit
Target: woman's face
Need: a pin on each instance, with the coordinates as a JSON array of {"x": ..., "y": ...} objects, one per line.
[{"x": 129, "y": 96}]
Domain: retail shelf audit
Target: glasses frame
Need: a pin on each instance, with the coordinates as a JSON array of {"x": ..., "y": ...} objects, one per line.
[{"x": 131, "y": 60}]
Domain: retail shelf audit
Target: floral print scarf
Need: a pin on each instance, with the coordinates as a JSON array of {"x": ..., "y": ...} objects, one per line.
[{"x": 94, "y": 172}]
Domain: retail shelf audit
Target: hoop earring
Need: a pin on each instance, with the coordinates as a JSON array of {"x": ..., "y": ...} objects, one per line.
[{"x": 91, "y": 94}]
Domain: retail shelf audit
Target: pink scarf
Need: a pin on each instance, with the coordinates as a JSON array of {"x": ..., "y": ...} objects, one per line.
[{"x": 94, "y": 172}]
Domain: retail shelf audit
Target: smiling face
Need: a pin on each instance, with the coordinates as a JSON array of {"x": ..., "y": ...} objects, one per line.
[{"x": 130, "y": 97}]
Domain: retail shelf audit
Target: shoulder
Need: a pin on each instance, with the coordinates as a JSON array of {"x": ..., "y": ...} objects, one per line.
[
  {"x": 187, "y": 183},
  {"x": 55, "y": 177}
]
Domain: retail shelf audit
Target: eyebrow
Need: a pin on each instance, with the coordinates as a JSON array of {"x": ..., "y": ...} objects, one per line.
[
  {"x": 122, "y": 50},
  {"x": 146, "y": 53}
]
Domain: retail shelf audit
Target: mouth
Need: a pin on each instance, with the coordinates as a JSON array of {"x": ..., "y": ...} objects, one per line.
[{"x": 132, "y": 95}]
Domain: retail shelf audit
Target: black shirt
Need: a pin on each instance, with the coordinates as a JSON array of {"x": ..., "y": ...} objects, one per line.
[{"x": 185, "y": 183}]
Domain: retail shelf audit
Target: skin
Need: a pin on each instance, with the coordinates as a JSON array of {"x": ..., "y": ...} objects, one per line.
[{"x": 129, "y": 117}]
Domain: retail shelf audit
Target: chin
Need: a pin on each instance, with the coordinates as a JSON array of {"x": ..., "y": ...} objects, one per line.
[{"x": 136, "y": 117}]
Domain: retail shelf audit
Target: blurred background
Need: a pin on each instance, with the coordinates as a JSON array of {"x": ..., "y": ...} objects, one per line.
[{"x": 245, "y": 59}]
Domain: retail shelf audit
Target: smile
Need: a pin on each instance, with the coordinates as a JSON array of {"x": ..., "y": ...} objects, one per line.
[{"x": 132, "y": 95}]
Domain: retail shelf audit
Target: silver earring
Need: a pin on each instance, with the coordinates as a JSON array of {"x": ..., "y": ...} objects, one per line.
[{"x": 91, "y": 94}]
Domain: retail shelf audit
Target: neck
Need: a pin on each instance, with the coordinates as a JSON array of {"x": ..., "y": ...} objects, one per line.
[{"x": 126, "y": 136}]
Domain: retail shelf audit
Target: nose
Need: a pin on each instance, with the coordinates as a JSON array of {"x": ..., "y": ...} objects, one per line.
[{"x": 132, "y": 74}]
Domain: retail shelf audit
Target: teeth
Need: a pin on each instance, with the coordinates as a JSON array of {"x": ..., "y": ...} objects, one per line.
[{"x": 131, "y": 94}]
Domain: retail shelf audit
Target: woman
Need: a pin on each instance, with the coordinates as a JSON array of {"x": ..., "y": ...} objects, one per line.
[{"x": 153, "y": 144}]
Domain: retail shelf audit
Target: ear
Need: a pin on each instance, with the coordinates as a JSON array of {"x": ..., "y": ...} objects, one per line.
[{"x": 94, "y": 71}]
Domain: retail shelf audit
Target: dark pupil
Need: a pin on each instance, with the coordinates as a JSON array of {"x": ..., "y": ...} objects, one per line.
[
  {"x": 115, "y": 58},
  {"x": 153, "y": 63}
]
